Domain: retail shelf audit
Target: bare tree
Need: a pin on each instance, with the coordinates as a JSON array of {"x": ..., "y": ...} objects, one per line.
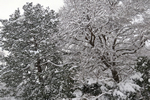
[{"x": 104, "y": 36}]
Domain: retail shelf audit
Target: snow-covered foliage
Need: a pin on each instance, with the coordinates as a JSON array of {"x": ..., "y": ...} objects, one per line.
[
  {"x": 104, "y": 37},
  {"x": 34, "y": 68},
  {"x": 89, "y": 51},
  {"x": 143, "y": 77}
]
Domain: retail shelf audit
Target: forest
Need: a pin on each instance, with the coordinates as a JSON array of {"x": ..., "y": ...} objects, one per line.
[{"x": 89, "y": 50}]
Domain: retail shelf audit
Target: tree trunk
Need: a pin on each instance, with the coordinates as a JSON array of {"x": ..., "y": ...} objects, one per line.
[
  {"x": 39, "y": 69},
  {"x": 108, "y": 65},
  {"x": 115, "y": 75}
]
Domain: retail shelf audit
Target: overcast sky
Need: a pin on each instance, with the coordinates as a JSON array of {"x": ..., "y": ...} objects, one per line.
[{"x": 7, "y": 7}]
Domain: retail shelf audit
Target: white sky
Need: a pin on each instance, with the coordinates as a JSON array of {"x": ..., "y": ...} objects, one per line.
[{"x": 7, "y": 7}]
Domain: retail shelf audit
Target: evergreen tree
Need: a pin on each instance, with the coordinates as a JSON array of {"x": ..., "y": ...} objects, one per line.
[
  {"x": 143, "y": 67},
  {"x": 34, "y": 67}
]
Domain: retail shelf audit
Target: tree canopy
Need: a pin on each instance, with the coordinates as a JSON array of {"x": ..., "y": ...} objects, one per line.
[
  {"x": 90, "y": 49},
  {"x": 104, "y": 37},
  {"x": 34, "y": 68}
]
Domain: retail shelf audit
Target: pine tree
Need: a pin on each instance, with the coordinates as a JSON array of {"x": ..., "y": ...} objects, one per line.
[
  {"x": 143, "y": 67},
  {"x": 34, "y": 67}
]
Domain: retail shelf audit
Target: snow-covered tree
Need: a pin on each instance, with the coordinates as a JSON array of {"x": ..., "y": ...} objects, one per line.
[
  {"x": 104, "y": 37},
  {"x": 34, "y": 68},
  {"x": 142, "y": 78}
]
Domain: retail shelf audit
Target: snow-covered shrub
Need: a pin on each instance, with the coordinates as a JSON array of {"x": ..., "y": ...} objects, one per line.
[
  {"x": 93, "y": 89},
  {"x": 143, "y": 79}
]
